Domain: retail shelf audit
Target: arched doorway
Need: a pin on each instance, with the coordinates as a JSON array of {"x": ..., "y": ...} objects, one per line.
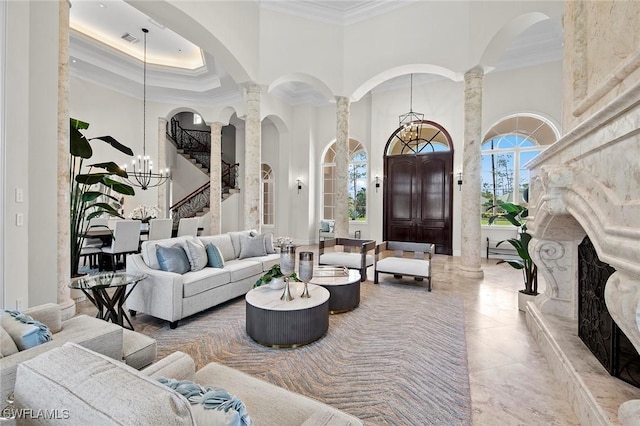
[{"x": 418, "y": 176}]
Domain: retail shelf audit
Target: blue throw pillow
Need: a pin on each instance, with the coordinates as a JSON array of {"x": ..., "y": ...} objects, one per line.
[
  {"x": 215, "y": 256},
  {"x": 173, "y": 259},
  {"x": 24, "y": 330},
  {"x": 214, "y": 406},
  {"x": 324, "y": 226}
]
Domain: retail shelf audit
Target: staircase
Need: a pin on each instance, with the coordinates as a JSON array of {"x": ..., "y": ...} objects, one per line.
[{"x": 195, "y": 146}]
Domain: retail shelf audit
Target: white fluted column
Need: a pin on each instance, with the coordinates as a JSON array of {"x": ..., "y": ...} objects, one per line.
[
  {"x": 163, "y": 190},
  {"x": 215, "y": 183},
  {"x": 470, "y": 263},
  {"x": 341, "y": 214},
  {"x": 64, "y": 240},
  {"x": 252, "y": 149}
]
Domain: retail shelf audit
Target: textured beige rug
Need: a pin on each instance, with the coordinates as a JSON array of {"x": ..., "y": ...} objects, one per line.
[{"x": 399, "y": 358}]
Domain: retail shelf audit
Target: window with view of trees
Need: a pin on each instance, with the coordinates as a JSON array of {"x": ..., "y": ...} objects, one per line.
[
  {"x": 511, "y": 144},
  {"x": 356, "y": 185},
  {"x": 267, "y": 195}
]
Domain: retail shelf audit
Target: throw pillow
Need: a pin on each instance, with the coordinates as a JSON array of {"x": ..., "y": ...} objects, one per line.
[
  {"x": 332, "y": 225},
  {"x": 210, "y": 405},
  {"x": 214, "y": 255},
  {"x": 173, "y": 259},
  {"x": 252, "y": 246},
  {"x": 196, "y": 253},
  {"x": 24, "y": 330},
  {"x": 268, "y": 243},
  {"x": 324, "y": 225},
  {"x": 7, "y": 345}
]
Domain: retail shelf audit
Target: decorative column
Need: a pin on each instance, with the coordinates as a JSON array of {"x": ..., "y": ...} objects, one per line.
[
  {"x": 64, "y": 239},
  {"x": 163, "y": 190},
  {"x": 341, "y": 214},
  {"x": 215, "y": 173},
  {"x": 253, "y": 151},
  {"x": 471, "y": 164}
]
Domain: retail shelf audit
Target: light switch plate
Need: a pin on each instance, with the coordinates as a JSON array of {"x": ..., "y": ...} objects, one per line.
[
  {"x": 19, "y": 195},
  {"x": 19, "y": 219}
]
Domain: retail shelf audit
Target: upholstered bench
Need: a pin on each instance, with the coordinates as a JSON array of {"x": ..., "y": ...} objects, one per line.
[
  {"x": 353, "y": 254},
  {"x": 138, "y": 350},
  {"x": 418, "y": 266}
]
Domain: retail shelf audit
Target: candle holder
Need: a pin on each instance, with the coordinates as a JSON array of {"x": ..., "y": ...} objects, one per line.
[
  {"x": 287, "y": 267},
  {"x": 305, "y": 271}
]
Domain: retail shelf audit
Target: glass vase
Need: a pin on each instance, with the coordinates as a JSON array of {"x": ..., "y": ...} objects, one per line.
[
  {"x": 305, "y": 271},
  {"x": 287, "y": 267}
]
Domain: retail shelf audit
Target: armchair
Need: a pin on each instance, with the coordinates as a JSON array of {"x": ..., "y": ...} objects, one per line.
[
  {"x": 353, "y": 255},
  {"x": 419, "y": 266}
]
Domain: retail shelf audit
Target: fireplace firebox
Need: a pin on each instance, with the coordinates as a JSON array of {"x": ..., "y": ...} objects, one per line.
[{"x": 596, "y": 328}]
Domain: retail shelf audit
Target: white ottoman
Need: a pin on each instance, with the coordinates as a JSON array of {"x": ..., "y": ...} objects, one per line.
[{"x": 138, "y": 350}]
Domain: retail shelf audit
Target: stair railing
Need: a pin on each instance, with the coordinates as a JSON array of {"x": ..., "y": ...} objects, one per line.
[
  {"x": 193, "y": 203},
  {"x": 196, "y": 143},
  {"x": 229, "y": 176}
]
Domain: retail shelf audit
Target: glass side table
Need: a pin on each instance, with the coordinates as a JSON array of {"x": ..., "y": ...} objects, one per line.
[{"x": 109, "y": 304}]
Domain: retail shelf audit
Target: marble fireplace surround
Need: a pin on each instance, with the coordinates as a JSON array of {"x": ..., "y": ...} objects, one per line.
[{"x": 588, "y": 183}]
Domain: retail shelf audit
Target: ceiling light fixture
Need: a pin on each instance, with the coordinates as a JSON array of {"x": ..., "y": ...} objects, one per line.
[
  {"x": 142, "y": 175},
  {"x": 411, "y": 122}
]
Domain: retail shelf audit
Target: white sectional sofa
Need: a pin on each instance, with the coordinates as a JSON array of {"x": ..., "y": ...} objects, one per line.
[
  {"x": 172, "y": 296},
  {"x": 93, "y": 333},
  {"x": 85, "y": 387}
]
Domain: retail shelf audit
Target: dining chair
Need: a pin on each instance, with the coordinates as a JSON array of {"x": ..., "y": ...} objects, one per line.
[
  {"x": 95, "y": 223},
  {"x": 91, "y": 253},
  {"x": 159, "y": 229},
  {"x": 126, "y": 239},
  {"x": 188, "y": 226}
]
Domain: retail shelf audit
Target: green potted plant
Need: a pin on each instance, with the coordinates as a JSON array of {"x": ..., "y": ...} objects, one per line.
[
  {"x": 91, "y": 192},
  {"x": 516, "y": 215},
  {"x": 274, "y": 277}
]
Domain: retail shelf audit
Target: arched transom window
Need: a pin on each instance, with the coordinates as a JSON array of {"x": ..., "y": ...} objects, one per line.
[
  {"x": 419, "y": 137},
  {"x": 267, "y": 195},
  {"x": 507, "y": 147},
  {"x": 356, "y": 185}
]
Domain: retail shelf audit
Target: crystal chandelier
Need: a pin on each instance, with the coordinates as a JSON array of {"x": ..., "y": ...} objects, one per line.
[
  {"x": 411, "y": 122},
  {"x": 143, "y": 175}
]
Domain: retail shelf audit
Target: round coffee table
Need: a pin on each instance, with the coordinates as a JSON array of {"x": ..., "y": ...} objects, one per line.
[
  {"x": 279, "y": 324},
  {"x": 344, "y": 291}
]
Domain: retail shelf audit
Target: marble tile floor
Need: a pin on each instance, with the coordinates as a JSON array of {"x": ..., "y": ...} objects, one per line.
[{"x": 511, "y": 381}]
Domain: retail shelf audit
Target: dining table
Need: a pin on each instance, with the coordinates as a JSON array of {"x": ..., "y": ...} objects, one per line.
[{"x": 106, "y": 234}]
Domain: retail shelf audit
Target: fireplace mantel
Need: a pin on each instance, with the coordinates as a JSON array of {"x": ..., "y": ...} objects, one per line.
[{"x": 588, "y": 183}]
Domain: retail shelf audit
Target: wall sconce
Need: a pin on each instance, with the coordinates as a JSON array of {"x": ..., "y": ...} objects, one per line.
[
  {"x": 377, "y": 182},
  {"x": 299, "y": 182},
  {"x": 460, "y": 181}
]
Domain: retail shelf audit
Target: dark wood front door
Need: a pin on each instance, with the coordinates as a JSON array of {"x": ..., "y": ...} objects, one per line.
[{"x": 418, "y": 199}]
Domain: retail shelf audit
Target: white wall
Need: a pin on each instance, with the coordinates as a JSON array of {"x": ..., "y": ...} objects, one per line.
[
  {"x": 533, "y": 89},
  {"x": 43, "y": 153},
  {"x": 186, "y": 178},
  {"x": 3, "y": 224},
  {"x": 30, "y": 267}
]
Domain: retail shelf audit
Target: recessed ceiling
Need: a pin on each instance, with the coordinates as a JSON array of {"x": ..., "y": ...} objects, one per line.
[
  {"x": 108, "y": 21},
  {"x": 342, "y": 12},
  {"x": 179, "y": 71}
]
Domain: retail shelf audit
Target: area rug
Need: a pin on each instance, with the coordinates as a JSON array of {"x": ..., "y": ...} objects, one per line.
[{"x": 399, "y": 358}]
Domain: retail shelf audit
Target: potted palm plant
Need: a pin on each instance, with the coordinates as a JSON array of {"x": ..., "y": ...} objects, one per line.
[
  {"x": 516, "y": 215},
  {"x": 91, "y": 193}
]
